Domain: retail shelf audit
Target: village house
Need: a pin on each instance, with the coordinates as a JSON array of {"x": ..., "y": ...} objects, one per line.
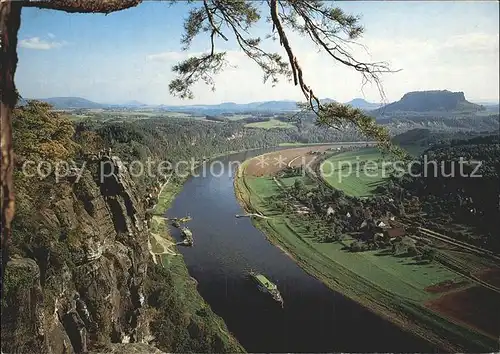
[
  {"x": 395, "y": 233},
  {"x": 364, "y": 225},
  {"x": 383, "y": 224}
]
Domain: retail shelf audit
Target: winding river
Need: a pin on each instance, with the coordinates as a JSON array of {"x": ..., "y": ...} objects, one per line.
[{"x": 314, "y": 318}]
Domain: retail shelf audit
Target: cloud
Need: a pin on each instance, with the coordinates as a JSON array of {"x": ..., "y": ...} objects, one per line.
[
  {"x": 232, "y": 56},
  {"x": 169, "y": 56},
  {"x": 473, "y": 41},
  {"x": 51, "y": 35},
  {"x": 426, "y": 63},
  {"x": 40, "y": 44}
]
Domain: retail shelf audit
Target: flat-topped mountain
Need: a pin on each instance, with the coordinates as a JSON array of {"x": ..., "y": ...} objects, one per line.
[{"x": 430, "y": 101}]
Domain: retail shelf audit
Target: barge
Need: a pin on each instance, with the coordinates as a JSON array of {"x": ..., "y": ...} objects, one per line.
[
  {"x": 187, "y": 235},
  {"x": 178, "y": 221}
]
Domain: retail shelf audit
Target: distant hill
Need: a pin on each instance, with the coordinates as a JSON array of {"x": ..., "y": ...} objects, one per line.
[
  {"x": 133, "y": 103},
  {"x": 430, "y": 101},
  {"x": 277, "y": 106},
  {"x": 363, "y": 104},
  {"x": 231, "y": 107},
  {"x": 71, "y": 102}
]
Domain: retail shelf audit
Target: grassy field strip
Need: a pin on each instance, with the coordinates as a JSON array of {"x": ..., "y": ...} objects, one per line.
[
  {"x": 328, "y": 258},
  {"x": 382, "y": 272},
  {"x": 271, "y": 124},
  {"x": 354, "y": 184},
  {"x": 409, "y": 303},
  {"x": 324, "y": 262}
]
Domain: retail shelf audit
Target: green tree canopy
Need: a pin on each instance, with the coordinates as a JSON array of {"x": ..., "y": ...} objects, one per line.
[{"x": 42, "y": 134}]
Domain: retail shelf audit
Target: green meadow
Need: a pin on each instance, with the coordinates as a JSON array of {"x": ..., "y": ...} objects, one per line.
[
  {"x": 357, "y": 173},
  {"x": 270, "y": 124}
]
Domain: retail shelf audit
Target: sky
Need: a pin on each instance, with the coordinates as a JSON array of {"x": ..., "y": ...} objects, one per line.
[{"x": 128, "y": 55}]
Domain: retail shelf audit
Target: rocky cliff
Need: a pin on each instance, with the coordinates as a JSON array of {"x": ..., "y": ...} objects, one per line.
[{"x": 83, "y": 284}]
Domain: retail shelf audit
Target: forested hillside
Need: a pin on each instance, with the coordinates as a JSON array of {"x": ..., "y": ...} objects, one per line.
[
  {"x": 176, "y": 139},
  {"x": 427, "y": 138},
  {"x": 458, "y": 183}
]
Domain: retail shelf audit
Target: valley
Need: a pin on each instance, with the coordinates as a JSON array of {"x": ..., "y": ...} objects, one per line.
[
  {"x": 225, "y": 176},
  {"x": 313, "y": 196}
]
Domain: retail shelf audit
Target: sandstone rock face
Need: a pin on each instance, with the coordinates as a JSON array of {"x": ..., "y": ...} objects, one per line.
[
  {"x": 138, "y": 348},
  {"x": 89, "y": 294}
]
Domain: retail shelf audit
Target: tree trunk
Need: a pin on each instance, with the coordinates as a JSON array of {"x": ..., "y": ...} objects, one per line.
[{"x": 10, "y": 19}]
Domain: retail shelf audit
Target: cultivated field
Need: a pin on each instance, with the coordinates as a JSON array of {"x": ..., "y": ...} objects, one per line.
[
  {"x": 121, "y": 115},
  {"x": 270, "y": 124},
  {"x": 357, "y": 173},
  {"x": 275, "y": 161},
  {"x": 238, "y": 116},
  {"x": 475, "y": 306}
]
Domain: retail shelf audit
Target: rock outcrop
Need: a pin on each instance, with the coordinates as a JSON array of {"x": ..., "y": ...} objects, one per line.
[{"x": 90, "y": 293}]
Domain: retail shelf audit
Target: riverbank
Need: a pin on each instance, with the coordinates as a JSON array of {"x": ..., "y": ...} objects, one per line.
[
  {"x": 171, "y": 266},
  {"x": 165, "y": 254},
  {"x": 361, "y": 277},
  {"x": 185, "y": 287},
  {"x": 334, "y": 142}
]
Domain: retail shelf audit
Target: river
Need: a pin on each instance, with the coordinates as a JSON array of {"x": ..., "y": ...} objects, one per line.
[{"x": 314, "y": 318}]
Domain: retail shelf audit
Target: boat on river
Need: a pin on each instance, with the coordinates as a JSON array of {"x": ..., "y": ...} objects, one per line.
[
  {"x": 187, "y": 235},
  {"x": 178, "y": 221},
  {"x": 184, "y": 219},
  {"x": 267, "y": 286}
]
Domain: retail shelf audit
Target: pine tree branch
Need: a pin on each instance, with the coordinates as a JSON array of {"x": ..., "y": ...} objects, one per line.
[{"x": 96, "y": 6}]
